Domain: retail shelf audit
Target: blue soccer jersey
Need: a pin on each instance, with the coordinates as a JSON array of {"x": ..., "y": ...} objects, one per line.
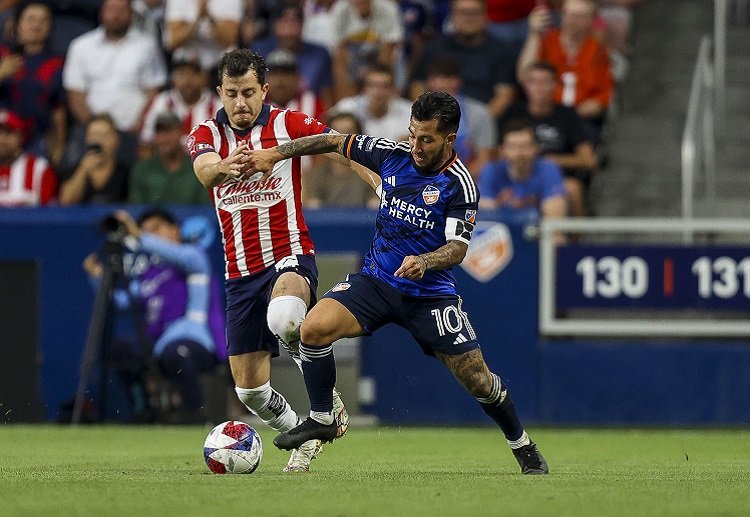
[{"x": 419, "y": 212}]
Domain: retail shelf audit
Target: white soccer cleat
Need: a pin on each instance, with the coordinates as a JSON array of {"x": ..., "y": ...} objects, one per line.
[
  {"x": 340, "y": 415},
  {"x": 300, "y": 459}
]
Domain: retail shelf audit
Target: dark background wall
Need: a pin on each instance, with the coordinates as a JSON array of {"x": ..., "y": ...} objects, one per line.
[{"x": 679, "y": 382}]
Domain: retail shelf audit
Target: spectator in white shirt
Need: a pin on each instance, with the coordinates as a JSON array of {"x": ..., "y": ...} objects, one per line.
[
  {"x": 113, "y": 69},
  {"x": 209, "y": 27},
  {"x": 379, "y": 108},
  {"x": 367, "y": 32}
]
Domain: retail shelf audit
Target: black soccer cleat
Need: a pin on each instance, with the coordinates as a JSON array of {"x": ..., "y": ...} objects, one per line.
[
  {"x": 308, "y": 430},
  {"x": 530, "y": 459}
]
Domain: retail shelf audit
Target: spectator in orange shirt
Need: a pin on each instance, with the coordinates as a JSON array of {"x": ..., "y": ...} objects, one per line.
[{"x": 581, "y": 61}]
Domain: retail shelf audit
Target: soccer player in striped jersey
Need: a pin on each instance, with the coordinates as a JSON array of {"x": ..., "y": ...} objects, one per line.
[
  {"x": 425, "y": 221},
  {"x": 270, "y": 259}
]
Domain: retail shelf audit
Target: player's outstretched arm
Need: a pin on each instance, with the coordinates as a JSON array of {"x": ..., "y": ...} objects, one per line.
[
  {"x": 263, "y": 160},
  {"x": 414, "y": 266}
]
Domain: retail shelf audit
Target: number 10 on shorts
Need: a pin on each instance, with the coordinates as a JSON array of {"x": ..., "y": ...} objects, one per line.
[{"x": 451, "y": 319}]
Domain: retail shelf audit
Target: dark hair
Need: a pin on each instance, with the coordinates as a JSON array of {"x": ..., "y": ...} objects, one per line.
[
  {"x": 20, "y": 8},
  {"x": 440, "y": 106},
  {"x": 237, "y": 62},
  {"x": 380, "y": 68},
  {"x": 280, "y": 9},
  {"x": 444, "y": 66},
  {"x": 517, "y": 124},
  {"x": 544, "y": 66},
  {"x": 346, "y": 115},
  {"x": 157, "y": 212}
]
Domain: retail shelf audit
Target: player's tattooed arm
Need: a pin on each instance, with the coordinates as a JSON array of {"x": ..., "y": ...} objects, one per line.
[
  {"x": 263, "y": 160},
  {"x": 315, "y": 144},
  {"x": 449, "y": 255},
  {"x": 414, "y": 266}
]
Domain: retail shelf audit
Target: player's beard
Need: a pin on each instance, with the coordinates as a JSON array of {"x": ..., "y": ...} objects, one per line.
[{"x": 429, "y": 164}]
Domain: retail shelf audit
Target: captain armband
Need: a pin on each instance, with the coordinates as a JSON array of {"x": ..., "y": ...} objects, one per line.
[{"x": 458, "y": 230}]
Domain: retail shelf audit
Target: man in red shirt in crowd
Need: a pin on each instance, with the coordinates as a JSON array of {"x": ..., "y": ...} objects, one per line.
[{"x": 25, "y": 179}]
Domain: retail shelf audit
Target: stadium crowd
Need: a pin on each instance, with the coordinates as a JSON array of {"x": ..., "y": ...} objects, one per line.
[{"x": 97, "y": 96}]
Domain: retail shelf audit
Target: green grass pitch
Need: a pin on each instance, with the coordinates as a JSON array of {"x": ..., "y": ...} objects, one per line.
[{"x": 132, "y": 471}]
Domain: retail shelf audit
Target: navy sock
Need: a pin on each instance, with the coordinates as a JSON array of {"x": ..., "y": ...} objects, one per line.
[
  {"x": 319, "y": 369},
  {"x": 499, "y": 406}
]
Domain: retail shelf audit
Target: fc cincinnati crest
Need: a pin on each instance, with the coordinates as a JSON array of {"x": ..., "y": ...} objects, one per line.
[
  {"x": 490, "y": 250},
  {"x": 430, "y": 195}
]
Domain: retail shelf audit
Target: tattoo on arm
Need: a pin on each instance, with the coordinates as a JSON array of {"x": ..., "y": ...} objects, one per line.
[
  {"x": 445, "y": 256},
  {"x": 315, "y": 144}
]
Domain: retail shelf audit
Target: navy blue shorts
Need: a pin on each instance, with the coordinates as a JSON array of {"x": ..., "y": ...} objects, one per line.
[
  {"x": 437, "y": 323},
  {"x": 247, "y": 305}
]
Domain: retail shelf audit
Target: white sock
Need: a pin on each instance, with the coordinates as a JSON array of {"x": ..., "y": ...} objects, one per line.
[
  {"x": 322, "y": 417},
  {"x": 523, "y": 440},
  {"x": 270, "y": 406}
]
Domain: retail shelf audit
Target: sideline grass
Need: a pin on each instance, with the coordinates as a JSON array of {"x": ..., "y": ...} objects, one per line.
[{"x": 134, "y": 471}]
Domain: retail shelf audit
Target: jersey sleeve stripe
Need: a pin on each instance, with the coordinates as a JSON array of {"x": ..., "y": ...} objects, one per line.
[
  {"x": 467, "y": 184},
  {"x": 383, "y": 143},
  {"x": 469, "y": 178},
  {"x": 348, "y": 145},
  {"x": 210, "y": 124}
]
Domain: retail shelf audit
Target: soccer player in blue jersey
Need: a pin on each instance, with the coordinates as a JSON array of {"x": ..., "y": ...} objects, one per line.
[{"x": 425, "y": 221}]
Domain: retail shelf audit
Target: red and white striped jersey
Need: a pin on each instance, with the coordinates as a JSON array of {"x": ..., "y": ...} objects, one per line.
[
  {"x": 28, "y": 181},
  {"x": 306, "y": 101},
  {"x": 171, "y": 101},
  {"x": 261, "y": 222}
]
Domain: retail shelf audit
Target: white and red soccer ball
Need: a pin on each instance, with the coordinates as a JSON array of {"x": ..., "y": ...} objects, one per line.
[{"x": 233, "y": 447}]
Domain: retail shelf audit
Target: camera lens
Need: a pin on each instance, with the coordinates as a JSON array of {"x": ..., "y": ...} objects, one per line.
[{"x": 111, "y": 224}]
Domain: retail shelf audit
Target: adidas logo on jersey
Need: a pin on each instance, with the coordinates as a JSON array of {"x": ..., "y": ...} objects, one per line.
[
  {"x": 460, "y": 339},
  {"x": 391, "y": 180}
]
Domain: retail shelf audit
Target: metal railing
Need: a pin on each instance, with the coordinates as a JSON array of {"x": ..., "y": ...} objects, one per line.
[
  {"x": 720, "y": 60},
  {"x": 698, "y": 144},
  {"x": 706, "y": 111}
]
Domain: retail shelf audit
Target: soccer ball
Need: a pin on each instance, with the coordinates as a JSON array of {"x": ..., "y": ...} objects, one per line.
[{"x": 233, "y": 447}]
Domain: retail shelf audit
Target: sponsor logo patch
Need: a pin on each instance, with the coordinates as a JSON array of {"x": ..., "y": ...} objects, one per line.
[
  {"x": 490, "y": 250},
  {"x": 430, "y": 195},
  {"x": 341, "y": 286}
]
